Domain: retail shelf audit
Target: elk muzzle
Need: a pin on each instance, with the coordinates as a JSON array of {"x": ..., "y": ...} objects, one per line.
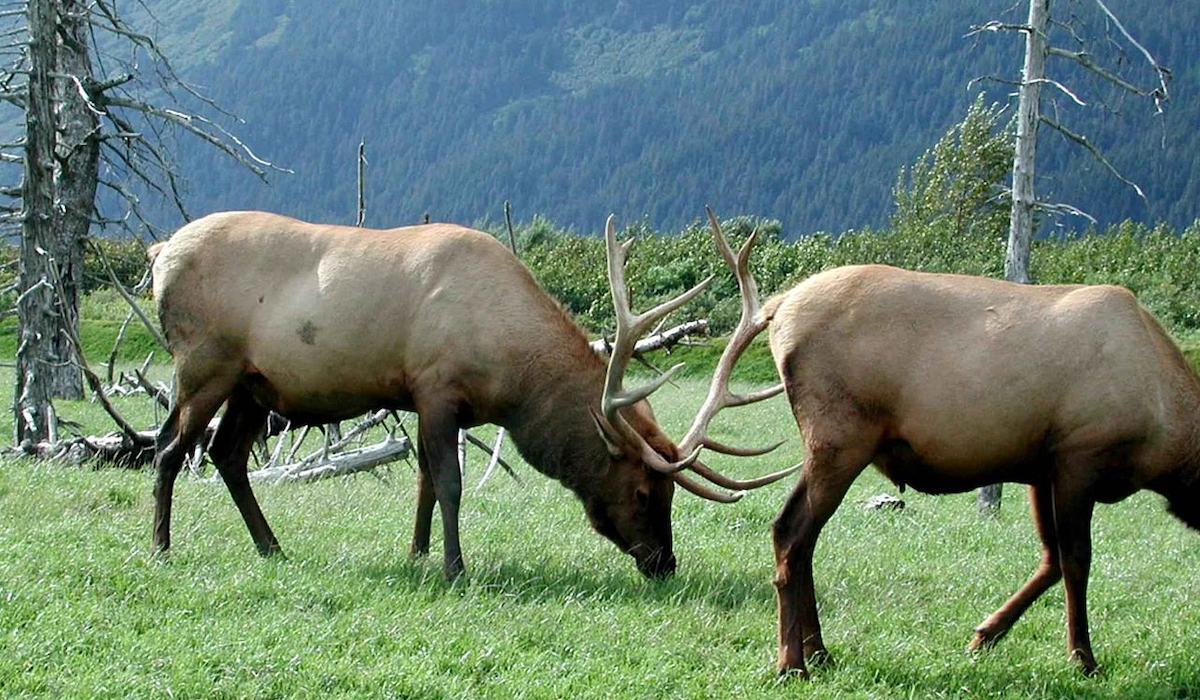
[{"x": 659, "y": 564}]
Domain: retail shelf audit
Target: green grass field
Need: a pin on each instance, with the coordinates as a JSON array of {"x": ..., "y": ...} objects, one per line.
[{"x": 550, "y": 609}]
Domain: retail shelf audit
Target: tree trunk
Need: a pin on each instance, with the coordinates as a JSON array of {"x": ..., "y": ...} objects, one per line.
[
  {"x": 1020, "y": 230},
  {"x": 76, "y": 176},
  {"x": 33, "y": 415},
  {"x": 1020, "y": 223}
]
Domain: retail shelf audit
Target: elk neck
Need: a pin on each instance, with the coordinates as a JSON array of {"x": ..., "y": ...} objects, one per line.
[
  {"x": 1179, "y": 483},
  {"x": 552, "y": 426}
]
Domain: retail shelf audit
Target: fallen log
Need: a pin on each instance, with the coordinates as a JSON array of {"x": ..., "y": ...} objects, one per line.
[
  {"x": 115, "y": 448},
  {"x": 656, "y": 341},
  {"x": 337, "y": 464}
]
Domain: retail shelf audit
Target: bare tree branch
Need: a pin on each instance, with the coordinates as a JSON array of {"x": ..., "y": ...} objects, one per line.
[
  {"x": 112, "y": 276},
  {"x": 1085, "y": 59},
  {"x": 656, "y": 341},
  {"x": 93, "y": 380},
  {"x": 1083, "y": 141},
  {"x": 1163, "y": 73},
  {"x": 189, "y": 122},
  {"x": 1064, "y": 89}
]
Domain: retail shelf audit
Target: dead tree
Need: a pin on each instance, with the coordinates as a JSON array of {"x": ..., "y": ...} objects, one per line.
[
  {"x": 1025, "y": 204},
  {"x": 1020, "y": 228},
  {"x": 77, "y": 166},
  {"x": 33, "y": 414},
  {"x": 117, "y": 122}
]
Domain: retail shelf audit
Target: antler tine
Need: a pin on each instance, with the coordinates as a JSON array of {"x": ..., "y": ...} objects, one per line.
[
  {"x": 708, "y": 493},
  {"x": 630, "y": 327},
  {"x": 754, "y": 396},
  {"x": 740, "y": 451},
  {"x": 749, "y": 326},
  {"x": 629, "y": 397},
  {"x": 741, "y": 484},
  {"x": 739, "y": 264}
]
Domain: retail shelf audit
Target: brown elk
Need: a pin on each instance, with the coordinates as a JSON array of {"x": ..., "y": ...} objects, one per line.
[
  {"x": 321, "y": 323},
  {"x": 948, "y": 383}
]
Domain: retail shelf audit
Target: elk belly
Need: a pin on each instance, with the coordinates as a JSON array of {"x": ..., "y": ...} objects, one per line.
[{"x": 904, "y": 466}]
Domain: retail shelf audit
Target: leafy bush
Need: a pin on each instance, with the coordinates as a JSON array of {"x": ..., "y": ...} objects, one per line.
[{"x": 1158, "y": 264}]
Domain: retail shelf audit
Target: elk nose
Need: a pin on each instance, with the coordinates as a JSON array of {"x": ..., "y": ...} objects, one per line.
[{"x": 657, "y": 565}]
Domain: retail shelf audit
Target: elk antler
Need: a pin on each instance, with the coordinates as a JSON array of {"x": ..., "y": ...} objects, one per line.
[
  {"x": 749, "y": 326},
  {"x": 630, "y": 327},
  {"x": 719, "y": 396}
]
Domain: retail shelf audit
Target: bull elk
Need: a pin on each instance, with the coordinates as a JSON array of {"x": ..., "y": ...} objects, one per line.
[
  {"x": 321, "y": 323},
  {"x": 948, "y": 383}
]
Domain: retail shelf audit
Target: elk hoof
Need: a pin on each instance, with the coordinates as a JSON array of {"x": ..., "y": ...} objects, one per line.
[
  {"x": 984, "y": 638},
  {"x": 818, "y": 658},
  {"x": 785, "y": 674},
  {"x": 1086, "y": 662},
  {"x": 791, "y": 664},
  {"x": 454, "y": 570},
  {"x": 272, "y": 551}
]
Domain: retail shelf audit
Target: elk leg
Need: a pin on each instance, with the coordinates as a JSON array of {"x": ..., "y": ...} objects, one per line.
[
  {"x": 438, "y": 430},
  {"x": 1047, "y": 574},
  {"x": 425, "y": 502},
  {"x": 827, "y": 474},
  {"x": 1073, "y": 521},
  {"x": 179, "y": 434},
  {"x": 241, "y": 425}
]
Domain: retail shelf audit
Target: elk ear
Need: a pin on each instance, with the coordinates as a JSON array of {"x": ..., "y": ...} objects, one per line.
[{"x": 607, "y": 433}]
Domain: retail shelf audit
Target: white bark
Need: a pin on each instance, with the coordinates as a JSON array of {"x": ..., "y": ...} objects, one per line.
[
  {"x": 1020, "y": 232},
  {"x": 338, "y": 464},
  {"x": 78, "y": 146},
  {"x": 656, "y": 341}
]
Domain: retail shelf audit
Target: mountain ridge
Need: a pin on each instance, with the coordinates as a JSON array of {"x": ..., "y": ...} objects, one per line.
[{"x": 798, "y": 111}]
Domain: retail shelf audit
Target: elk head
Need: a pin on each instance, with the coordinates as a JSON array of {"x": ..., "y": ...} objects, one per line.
[{"x": 635, "y": 510}]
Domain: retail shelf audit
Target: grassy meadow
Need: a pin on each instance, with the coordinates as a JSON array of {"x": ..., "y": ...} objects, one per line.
[{"x": 549, "y": 609}]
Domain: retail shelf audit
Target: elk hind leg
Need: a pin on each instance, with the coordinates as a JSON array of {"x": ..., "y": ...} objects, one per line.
[
  {"x": 827, "y": 475},
  {"x": 242, "y": 424},
  {"x": 183, "y": 428},
  {"x": 1047, "y": 574}
]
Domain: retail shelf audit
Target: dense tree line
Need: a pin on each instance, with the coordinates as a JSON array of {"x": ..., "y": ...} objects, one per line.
[{"x": 799, "y": 111}]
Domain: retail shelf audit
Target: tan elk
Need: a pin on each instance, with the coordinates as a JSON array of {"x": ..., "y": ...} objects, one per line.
[
  {"x": 948, "y": 383},
  {"x": 321, "y": 323}
]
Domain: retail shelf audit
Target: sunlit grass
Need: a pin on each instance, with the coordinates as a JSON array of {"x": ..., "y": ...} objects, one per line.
[{"x": 549, "y": 609}]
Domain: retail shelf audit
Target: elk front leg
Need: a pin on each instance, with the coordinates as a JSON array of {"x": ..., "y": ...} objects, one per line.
[
  {"x": 826, "y": 476},
  {"x": 1073, "y": 521},
  {"x": 438, "y": 430},
  {"x": 1047, "y": 574},
  {"x": 425, "y": 502}
]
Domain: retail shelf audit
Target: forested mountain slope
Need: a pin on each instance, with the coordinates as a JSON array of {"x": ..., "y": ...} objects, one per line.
[{"x": 800, "y": 110}]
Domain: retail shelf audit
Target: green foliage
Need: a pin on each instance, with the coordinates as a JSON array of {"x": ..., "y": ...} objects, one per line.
[
  {"x": 1158, "y": 264},
  {"x": 126, "y": 256},
  {"x": 959, "y": 183}
]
